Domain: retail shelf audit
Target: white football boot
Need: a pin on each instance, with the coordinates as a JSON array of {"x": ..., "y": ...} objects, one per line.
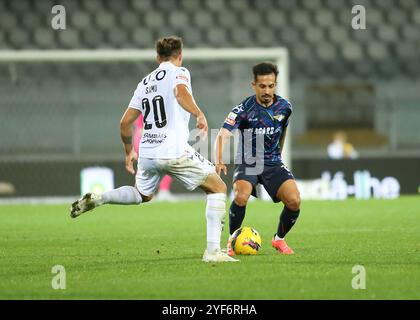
[
  {"x": 88, "y": 202},
  {"x": 218, "y": 256}
]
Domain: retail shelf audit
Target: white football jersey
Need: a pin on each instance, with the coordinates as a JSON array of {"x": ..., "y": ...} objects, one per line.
[{"x": 165, "y": 130}]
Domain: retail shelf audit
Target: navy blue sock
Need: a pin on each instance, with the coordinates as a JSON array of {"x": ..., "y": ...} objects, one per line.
[
  {"x": 287, "y": 220},
  {"x": 236, "y": 216}
]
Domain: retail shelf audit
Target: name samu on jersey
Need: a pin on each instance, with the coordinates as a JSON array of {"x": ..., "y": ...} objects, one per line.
[{"x": 253, "y": 119}]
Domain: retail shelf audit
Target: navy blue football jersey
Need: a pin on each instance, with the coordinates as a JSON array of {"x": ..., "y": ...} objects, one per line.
[{"x": 259, "y": 125}]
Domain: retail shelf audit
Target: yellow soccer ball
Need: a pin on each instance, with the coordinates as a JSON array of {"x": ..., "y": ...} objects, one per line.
[{"x": 246, "y": 240}]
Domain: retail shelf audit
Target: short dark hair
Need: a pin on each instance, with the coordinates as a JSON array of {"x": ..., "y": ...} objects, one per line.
[
  {"x": 264, "y": 68},
  {"x": 168, "y": 47}
]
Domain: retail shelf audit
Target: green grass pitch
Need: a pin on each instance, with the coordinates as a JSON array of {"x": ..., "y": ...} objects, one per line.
[{"x": 153, "y": 251}]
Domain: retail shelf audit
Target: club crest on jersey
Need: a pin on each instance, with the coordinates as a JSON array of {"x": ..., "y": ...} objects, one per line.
[
  {"x": 279, "y": 117},
  {"x": 232, "y": 116}
]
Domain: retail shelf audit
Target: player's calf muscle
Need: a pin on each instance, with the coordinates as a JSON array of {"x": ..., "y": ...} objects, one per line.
[
  {"x": 214, "y": 184},
  {"x": 218, "y": 188}
]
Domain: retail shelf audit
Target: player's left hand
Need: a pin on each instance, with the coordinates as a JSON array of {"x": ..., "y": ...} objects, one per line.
[
  {"x": 221, "y": 167},
  {"x": 202, "y": 125},
  {"x": 129, "y": 159}
]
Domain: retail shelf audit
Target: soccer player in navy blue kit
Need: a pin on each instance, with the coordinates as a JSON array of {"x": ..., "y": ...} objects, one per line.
[{"x": 262, "y": 120}]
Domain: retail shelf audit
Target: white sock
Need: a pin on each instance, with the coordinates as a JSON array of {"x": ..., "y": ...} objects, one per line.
[
  {"x": 122, "y": 195},
  {"x": 276, "y": 237},
  {"x": 215, "y": 213}
]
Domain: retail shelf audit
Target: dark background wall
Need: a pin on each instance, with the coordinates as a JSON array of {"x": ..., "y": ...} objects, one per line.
[{"x": 63, "y": 178}]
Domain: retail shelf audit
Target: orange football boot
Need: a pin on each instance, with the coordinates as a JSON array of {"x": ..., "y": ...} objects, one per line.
[
  {"x": 230, "y": 251},
  {"x": 281, "y": 246}
]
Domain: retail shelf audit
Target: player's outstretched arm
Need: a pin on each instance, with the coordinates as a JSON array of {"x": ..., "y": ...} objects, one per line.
[
  {"x": 218, "y": 149},
  {"x": 126, "y": 130},
  {"x": 187, "y": 102}
]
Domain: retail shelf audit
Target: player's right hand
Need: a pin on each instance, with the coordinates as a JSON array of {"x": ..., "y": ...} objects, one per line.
[
  {"x": 202, "y": 124},
  {"x": 221, "y": 167},
  {"x": 129, "y": 160}
]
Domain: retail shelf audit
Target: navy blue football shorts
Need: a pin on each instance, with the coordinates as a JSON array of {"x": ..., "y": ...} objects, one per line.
[{"x": 272, "y": 177}]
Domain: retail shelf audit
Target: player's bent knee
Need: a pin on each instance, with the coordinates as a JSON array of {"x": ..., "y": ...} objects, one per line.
[
  {"x": 241, "y": 199},
  {"x": 214, "y": 184},
  {"x": 293, "y": 202}
]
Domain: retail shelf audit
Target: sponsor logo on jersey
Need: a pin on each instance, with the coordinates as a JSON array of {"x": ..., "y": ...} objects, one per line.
[
  {"x": 153, "y": 138},
  {"x": 238, "y": 108},
  {"x": 264, "y": 130}
]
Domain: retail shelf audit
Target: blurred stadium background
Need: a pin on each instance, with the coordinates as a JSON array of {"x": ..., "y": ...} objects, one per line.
[{"x": 57, "y": 118}]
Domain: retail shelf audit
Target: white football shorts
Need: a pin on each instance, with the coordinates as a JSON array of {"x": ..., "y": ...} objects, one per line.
[{"x": 191, "y": 169}]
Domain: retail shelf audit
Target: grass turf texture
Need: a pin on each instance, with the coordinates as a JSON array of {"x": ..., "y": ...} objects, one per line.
[{"x": 154, "y": 251}]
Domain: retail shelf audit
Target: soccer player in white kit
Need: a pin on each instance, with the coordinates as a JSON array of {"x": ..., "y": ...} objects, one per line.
[{"x": 165, "y": 99}]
